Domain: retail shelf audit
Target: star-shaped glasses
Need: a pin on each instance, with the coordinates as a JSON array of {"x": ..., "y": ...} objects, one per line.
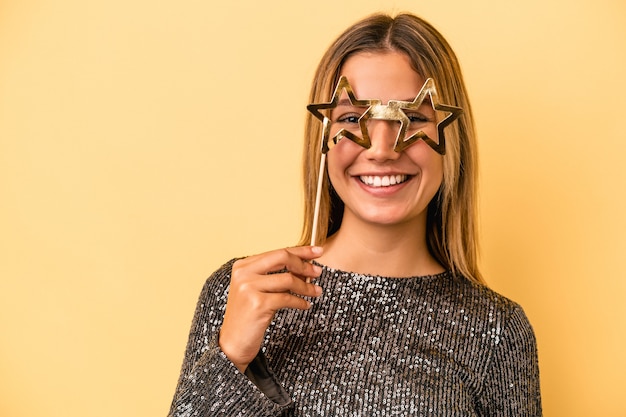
[{"x": 395, "y": 110}]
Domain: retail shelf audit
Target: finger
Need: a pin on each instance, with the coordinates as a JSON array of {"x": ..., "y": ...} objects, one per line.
[
  {"x": 282, "y": 300},
  {"x": 305, "y": 268},
  {"x": 306, "y": 252},
  {"x": 293, "y": 259},
  {"x": 288, "y": 283}
]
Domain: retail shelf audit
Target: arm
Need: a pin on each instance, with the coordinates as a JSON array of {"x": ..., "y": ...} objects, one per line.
[
  {"x": 511, "y": 383},
  {"x": 224, "y": 371},
  {"x": 209, "y": 383}
]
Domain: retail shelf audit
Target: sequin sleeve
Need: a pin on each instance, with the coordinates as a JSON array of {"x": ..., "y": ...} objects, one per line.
[
  {"x": 210, "y": 384},
  {"x": 511, "y": 382}
]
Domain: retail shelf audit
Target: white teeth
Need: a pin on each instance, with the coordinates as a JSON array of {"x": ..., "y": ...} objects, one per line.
[{"x": 384, "y": 181}]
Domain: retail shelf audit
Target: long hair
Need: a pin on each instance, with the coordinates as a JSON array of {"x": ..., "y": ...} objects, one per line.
[{"x": 452, "y": 213}]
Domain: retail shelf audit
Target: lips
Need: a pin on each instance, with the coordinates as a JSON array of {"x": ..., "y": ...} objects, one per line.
[{"x": 383, "y": 181}]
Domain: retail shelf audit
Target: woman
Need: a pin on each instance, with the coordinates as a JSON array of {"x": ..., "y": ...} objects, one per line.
[{"x": 398, "y": 320}]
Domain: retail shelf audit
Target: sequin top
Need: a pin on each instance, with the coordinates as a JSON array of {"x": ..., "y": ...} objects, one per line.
[{"x": 435, "y": 345}]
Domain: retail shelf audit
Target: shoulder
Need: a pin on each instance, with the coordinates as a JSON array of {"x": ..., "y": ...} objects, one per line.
[
  {"x": 216, "y": 285},
  {"x": 212, "y": 300},
  {"x": 484, "y": 306},
  {"x": 481, "y": 296},
  {"x": 222, "y": 274}
]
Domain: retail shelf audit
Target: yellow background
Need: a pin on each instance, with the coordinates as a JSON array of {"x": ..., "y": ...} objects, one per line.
[{"x": 143, "y": 143}]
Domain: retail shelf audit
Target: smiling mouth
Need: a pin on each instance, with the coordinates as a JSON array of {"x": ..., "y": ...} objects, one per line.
[{"x": 384, "y": 181}]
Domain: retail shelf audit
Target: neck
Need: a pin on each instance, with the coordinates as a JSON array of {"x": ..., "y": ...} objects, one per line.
[{"x": 398, "y": 250}]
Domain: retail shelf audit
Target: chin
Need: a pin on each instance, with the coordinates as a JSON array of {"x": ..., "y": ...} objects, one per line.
[{"x": 390, "y": 219}]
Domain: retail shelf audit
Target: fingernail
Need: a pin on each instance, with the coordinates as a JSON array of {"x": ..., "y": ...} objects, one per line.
[
  {"x": 317, "y": 250},
  {"x": 317, "y": 269},
  {"x": 318, "y": 290}
]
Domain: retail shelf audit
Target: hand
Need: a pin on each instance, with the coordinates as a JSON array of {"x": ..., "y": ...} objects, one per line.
[{"x": 254, "y": 297}]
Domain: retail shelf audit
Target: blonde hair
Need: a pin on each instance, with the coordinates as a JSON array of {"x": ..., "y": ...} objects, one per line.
[{"x": 452, "y": 214}]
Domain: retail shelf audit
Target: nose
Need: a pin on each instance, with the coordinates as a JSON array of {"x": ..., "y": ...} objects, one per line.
[{"x": 383, "y": 134}]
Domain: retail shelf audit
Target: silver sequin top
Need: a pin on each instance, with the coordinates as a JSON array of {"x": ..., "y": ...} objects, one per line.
[{"x": 369, "y": 346}]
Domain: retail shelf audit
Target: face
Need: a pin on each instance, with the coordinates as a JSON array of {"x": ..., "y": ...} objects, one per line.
[{"x": 379, "y": 185}]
